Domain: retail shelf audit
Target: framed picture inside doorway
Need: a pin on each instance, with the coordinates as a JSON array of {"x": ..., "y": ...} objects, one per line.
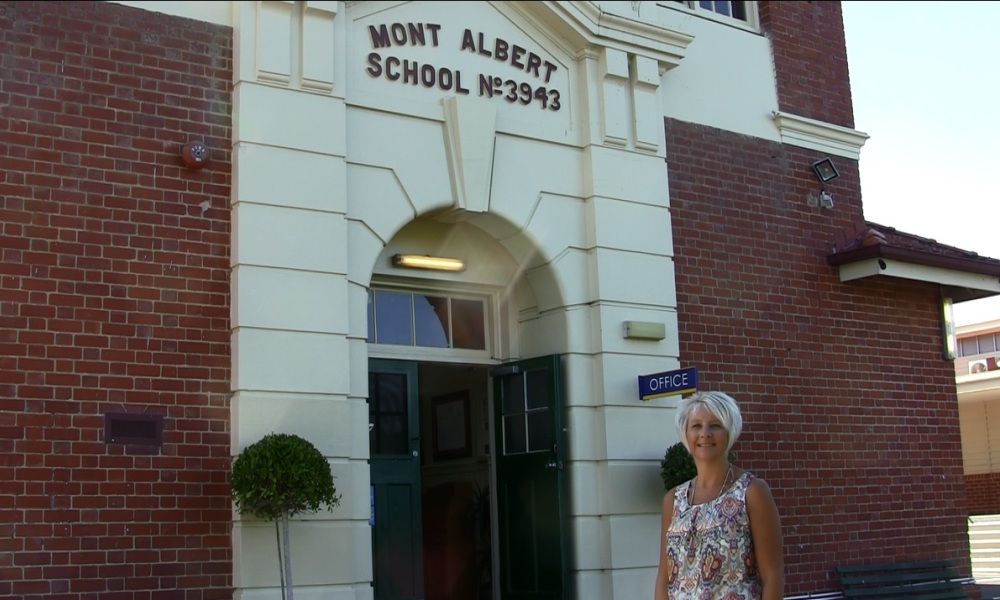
[{"x": 450, "y": 426}]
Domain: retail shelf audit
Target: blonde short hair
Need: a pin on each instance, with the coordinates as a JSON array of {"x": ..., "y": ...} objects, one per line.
[{"x": 721, "y": 405}]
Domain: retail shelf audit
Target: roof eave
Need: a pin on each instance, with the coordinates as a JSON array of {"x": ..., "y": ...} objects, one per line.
[{"x": 966, "y": 278}]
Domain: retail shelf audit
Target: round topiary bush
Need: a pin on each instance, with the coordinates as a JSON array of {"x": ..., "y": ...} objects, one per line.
[
  {"x": 277, "y": 477},
  {"x": 282, "y": 475},
  {"x": 677, "y": 466}
]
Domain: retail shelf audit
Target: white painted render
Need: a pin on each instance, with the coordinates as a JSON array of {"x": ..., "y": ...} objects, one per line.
[{"x": 562, "y": 215}]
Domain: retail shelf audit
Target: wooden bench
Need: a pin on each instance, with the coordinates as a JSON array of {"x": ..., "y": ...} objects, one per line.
[{"x": 927, "y": 580}]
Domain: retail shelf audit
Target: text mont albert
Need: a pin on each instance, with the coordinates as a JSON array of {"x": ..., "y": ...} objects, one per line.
[{"x": 406, "y": 71}]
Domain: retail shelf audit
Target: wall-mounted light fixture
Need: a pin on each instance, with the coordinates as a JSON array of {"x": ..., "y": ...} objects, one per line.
[
  {"x": 643, "y": 330},
  {"x": 434, "y": 263},
  {"x": 825, "y": 171},
  {"x": 948, "y": 338}
]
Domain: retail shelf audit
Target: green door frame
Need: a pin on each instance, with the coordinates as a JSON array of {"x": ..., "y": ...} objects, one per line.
[{"x": 394, "y": 441}]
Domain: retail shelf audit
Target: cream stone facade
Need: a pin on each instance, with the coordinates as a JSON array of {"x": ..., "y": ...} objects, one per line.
[{"x": 555, "y": 197}]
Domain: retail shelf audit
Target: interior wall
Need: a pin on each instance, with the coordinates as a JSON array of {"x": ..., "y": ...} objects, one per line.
[{"x": 457, "y": 501}]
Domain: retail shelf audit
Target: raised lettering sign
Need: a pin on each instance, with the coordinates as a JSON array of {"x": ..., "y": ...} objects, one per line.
[{"x": 531, "y": 85}]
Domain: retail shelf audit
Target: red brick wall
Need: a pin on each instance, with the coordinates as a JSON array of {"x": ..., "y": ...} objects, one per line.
[
  {"x": 114, "y": 297},
  {"x": 983, "y": 493},
  {"x": 810, "y": 59},
  {"x": 851, "y": 413}
]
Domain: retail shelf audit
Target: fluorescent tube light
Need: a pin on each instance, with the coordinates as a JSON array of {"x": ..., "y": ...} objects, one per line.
[{"x": 435, "y": 263}]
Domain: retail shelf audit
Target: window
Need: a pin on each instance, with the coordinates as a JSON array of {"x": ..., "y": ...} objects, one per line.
[
  {"x": 405, "y": 318},
  {"x": 979, "y": 344},
  {"x": 527, "y": 421},
  {"x": 737, "y": 10},
  {"x": 389, "y": 431},
  {"x": 741, "y": 11}
]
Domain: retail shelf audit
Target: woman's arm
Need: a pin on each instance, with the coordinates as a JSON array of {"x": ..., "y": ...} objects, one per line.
[
  {"x": 765, "y": 528},
  {"x": 666, "y": 514}
]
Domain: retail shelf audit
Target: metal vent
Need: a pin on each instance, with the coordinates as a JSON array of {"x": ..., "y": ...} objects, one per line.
[{"x": 127, "y": 428}]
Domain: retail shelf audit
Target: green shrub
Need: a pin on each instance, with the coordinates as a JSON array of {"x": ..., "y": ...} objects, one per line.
[
  {"x": 282, "y": 475},
  {"x": 677, "y": 466}
]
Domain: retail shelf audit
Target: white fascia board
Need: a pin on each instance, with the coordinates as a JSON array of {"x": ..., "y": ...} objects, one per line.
[
  {"x": 894, "y": 268},
  {"x": 977, "y": 388}
]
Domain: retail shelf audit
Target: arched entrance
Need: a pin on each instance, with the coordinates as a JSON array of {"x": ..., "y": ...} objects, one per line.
[{"x": 467, "y": 479}]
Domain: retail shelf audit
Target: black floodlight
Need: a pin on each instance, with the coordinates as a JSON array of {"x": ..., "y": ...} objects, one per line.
[{"x": 825, "y": 171}]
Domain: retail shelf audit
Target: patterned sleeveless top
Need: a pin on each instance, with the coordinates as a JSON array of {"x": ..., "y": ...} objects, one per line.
[{"x": 709, "y": 549}]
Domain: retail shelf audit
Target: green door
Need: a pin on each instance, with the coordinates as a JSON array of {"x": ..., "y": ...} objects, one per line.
[
  {"x": 531, "y": 507},
  {"x": 394, "y": 440}
]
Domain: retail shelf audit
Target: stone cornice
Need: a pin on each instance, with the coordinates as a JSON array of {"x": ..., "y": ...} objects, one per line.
[
  {"x": 584, "y": 23},
  {"x": 817, "y": 135}
]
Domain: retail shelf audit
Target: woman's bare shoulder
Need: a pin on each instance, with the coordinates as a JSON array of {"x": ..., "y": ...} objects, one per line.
[
  {"x": 758, "y": 485},
  {"x": 759, "y": 492}
]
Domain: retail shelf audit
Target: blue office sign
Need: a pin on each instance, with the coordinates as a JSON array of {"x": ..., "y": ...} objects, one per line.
[{"x": 668, "y": 383}]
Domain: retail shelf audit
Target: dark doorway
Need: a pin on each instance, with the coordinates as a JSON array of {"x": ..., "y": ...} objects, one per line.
[{"x": 436, "y": 521}]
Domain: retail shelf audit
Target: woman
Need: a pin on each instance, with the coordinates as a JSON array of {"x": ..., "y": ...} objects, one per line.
[{"x": 720, "y": 535}]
